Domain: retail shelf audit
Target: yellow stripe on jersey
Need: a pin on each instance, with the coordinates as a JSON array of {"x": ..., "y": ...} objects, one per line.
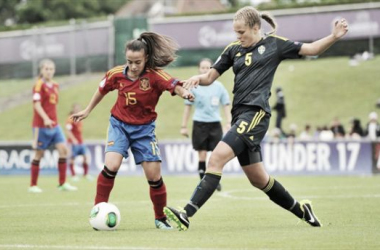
[
  {"x": 38, "y": 86},
  {"x": 280, "y": 37},
  {"x": 256, "y": 120},
  {"x": 116, "y": 68},
  {"x": 231, "y": 44},
  {"x": 115, "y": 72},
  {"x": 163, "y": 74}
]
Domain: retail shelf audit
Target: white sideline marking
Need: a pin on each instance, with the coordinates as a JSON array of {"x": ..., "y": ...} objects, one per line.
[
  {"x": 18, "y": 246},
  {"x": 230, "y": 195}
]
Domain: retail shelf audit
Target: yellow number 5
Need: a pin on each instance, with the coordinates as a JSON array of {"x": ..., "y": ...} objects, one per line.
[
  {"x": 242, "y": 127},
  {"x": 130, "y": 98},
  {"x": 248, "y": 59}
]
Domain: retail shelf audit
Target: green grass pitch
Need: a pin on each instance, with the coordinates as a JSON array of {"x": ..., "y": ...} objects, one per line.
[{"x": 239, "y": 217}]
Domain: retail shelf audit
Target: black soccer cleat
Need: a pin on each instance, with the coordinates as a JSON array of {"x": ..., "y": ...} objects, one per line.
[
  {"x": 308, "y": 214},
  {"x": 219, "y": 187},
  {"x": 178, "y": 216}
]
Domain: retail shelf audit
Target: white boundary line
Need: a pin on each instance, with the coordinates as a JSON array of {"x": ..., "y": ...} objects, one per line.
[{"x": 28, "y": 246}]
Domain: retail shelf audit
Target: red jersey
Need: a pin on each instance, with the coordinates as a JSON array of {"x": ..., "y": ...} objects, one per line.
[
  {"x": 47, "y": 94},
  {"x": 137, "y": 99},
  {"x": 76, "y": 129}
]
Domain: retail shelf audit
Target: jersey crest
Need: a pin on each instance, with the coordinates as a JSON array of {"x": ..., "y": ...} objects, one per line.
[
  {"x": 144, "y": 83},
  {"x": 261, "y": 49}
]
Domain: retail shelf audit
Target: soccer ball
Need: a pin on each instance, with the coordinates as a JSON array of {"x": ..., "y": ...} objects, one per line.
[{"x": 104, "y": 217}]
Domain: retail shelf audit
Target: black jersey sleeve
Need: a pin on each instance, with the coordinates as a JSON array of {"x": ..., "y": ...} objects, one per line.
[
  {"x": 225, "y": 61},
  {"x": 288, "y": 49}
]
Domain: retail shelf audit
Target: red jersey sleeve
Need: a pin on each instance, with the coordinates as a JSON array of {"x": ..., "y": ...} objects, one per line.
[
  {"x": 165, "y": 81},
  {"x": 38, "y": 91},
  {"x": 109, "y": 82}
]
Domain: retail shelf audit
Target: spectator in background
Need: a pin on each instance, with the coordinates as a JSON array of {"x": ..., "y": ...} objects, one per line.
[
  {"x": 280, "y": 107},
  {"x": 373, "y": 127},
  {"x": 306, "y": 133},
  {"x": 356, "y": 131},
  {"x": 326, "y": 134},
  {"x": 207, "y": 127},
  {"x": 337, "y": 128}
]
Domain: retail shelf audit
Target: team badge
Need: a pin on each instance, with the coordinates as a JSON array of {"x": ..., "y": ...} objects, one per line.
[
  {"x": 144, "y": 84},
  {"x": 238, "y": 54},
  {"x": 261, "y": 49}
]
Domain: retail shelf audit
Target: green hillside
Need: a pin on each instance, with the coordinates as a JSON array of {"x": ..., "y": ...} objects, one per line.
[{"x": 316, "y": 91}]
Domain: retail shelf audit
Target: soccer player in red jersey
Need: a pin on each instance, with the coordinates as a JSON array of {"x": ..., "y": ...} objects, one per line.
[
  {"x": 46, "y": 130},
  {"x": 75, "y": 141},
  {"x": 140, "y": 83}
]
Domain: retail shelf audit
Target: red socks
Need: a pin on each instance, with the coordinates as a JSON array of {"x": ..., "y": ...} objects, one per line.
[
  {"x": 158, "y": 195},
  {"x": 62, "y": 170},
  {"x": 106, "y": 180},
  {"x": 34, "y": 171}
]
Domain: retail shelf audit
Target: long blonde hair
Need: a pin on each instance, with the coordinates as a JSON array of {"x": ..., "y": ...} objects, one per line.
[{"x": 251, "y": 17}]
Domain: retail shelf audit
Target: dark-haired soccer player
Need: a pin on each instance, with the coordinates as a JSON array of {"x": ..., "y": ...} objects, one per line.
[
  {"x": 75, "y": 141},
  {"x": 140, "y": 84},
  {"x": 46, "y": 130},
  {"x": 254, "y": 59}
]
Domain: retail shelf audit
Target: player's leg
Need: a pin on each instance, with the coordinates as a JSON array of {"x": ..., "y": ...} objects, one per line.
[
  {"x": 215, "y": 134},
  {"x": 62, "y": 166},
  {"x": 71, "y": 156},
  {"x": 116, "y": 149},
  {"x": 41, "y": 141},
  {"x": 199, "y": 142},
  {"x": 157, "y": 192},
  {"x": 277, "y": 193},
  {"x": 34, "y": 171},
  {"x": 222, "y": 154},
  {"x": 146, "y": 152},
  {"x": 202, "y": 155},
  {"x": 106, "y": 177}
]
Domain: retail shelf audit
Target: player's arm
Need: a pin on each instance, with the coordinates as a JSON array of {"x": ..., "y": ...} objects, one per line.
[
  {"x": 204, "y": 79},
  {"x": 96, "y": 98},
  {"x": 318, "y": 47},
  {"x": 185, "y": 120},
  {"x": 184, "y": 93},
  {"x": 41, "y": 112},
  {"x": 227, "y": 115}
]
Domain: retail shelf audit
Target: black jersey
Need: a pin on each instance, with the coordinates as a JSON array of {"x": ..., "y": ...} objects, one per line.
[{"x": 254, "y": 68}]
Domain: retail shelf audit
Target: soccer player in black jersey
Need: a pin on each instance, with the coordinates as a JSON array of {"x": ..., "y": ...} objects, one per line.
[{"x": 254, "y": 59}]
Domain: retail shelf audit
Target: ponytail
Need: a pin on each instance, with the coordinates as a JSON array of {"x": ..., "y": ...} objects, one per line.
[
  {"x": 269, "y": 19},
  {"x": 161, "y": 50}
]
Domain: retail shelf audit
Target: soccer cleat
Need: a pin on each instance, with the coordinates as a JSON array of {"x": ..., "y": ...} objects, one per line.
[
  {"x": 34, "y": 189},
  {"x": 163, "y": 224},
  {"x": 67, "y": 187},
  {"x": 219, "y": 187},
  {"x": 308, "y": 214},
  {"x": 178, "y": 216}
]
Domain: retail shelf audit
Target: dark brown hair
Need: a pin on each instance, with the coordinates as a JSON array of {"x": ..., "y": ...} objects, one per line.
[
  {"x": 251, "y": 17},
  {"x": 161, "y": 50}
]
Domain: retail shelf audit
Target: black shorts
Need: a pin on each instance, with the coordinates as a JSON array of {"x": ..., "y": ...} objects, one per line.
[
  {"x": 246, "y": 134},
  {"x": 206, "y": 135}
]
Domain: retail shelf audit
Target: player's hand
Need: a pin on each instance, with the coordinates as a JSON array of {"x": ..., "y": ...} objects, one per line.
[
  {"x": 49, "y": 123},
  {"x": 186, "y": 94},
  {"x": 190, "y": 83},
  {"x": 340, "y": 28},
  {"x": 184, "y": 132},
  {"x": 79, "y": 116}
]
